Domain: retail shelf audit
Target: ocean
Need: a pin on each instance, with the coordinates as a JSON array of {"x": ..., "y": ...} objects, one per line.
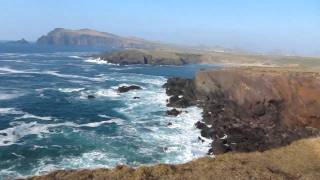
[{"x": 48, "y": 123}]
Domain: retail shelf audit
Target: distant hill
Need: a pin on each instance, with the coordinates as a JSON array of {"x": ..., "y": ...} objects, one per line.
[
  {"x": 21, "y": 41},
  {"x": 89, "y": 37}
]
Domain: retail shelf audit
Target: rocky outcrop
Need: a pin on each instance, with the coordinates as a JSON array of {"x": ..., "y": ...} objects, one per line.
[
  {"x": 123, "y": 89},
  {"x": 89, "y": 37},
  {"x": 300, "y": 160},
  {"x": 250, "y": 109},
  {"x": 140, "y": 56},
  {"x": 173, "y": 112}
]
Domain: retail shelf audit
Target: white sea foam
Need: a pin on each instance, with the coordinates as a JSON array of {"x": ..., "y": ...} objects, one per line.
[
  {"x": 10, "y": 70},
  {"x": 13, "y": 134},
  {"x": 107, "y": 93},
  {"x": 97, "y": 61},
  {"x": 70, "y": 90},
  {"x": 179, "y": 141},
  {"x": 97, "y": 124},
  {"x": 8, "y": 96},
  {"x": 31, "y": 116},
  {"x": 10, "y": 111},
  {"x": 22, "y": 129},
  {"x": 53, "y": 73},
  {"x": 76, "y": 57}
]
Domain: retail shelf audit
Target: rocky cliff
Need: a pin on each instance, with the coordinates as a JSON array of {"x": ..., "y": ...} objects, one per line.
[
  {"x": 250, "y": 109},
  {"x": 89, "y": 37}
]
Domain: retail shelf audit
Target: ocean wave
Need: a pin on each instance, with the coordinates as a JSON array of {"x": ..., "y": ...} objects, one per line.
[
  {"x": 31, "y": 116},
  {"x": 88, "y": 160},
  {"x": 179, "y": 141},
  {"x": 76, "y": 57},
  {"x": 11, "y": 95},
  {"x": 70, "y": 90},
  {"x": 19, "y": 130},
  {"x": 25, "y": 115},
  {"x": 53, "y": 73},
  {"x": 107, "y": 93},
  {"x": 4, "y": 111},
  {"x": 97, "y": 61}
]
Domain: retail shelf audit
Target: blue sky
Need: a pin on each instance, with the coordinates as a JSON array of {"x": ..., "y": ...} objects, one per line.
[{"x": 265, "y": 25}]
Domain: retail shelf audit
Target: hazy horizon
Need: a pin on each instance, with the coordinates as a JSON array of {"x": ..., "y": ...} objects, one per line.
[{"x": 268, "y": 26}]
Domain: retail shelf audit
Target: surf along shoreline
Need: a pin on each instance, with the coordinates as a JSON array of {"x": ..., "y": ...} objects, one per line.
[{"x": 245, "y": 109}]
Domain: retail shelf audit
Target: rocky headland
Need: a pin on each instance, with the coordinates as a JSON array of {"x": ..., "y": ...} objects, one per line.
[
  {"x": 93, "y": 38},
  {"x": 251, "y": 109},
  {"x": 174, "y": 56},
  {"x": 152, "y": 57},
  {"x": 264, "y": 123}
]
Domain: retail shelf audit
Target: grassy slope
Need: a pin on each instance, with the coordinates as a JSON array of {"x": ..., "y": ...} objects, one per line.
[{"x": 300, "y": 160}]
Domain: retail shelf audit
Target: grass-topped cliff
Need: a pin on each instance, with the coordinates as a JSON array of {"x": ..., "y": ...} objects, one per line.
[
  {"x": 172, "y": 56},
  {"x": 300, "y": 160}
]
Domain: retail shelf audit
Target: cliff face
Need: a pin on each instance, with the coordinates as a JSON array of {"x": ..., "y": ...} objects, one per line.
[
  {"x": 88, "y": 37},
  {"x": 251, "y": 109},
  {"x": 295, "y": 95}
]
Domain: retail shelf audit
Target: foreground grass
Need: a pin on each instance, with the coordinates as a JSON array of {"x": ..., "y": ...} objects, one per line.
[{"x": 300, "y": 160}]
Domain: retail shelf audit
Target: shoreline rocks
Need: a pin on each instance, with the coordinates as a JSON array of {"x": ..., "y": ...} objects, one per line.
[
  {"x": 251, "y": 109},
  {"x": 124, "y": 89},
  {"x": 173, "y": 112}
]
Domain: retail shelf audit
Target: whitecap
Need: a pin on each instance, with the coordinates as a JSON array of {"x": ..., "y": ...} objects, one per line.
[
  {"x": 76, "y": 57},
  {"x": 117, "y": 121},
  {"x": 70, "y": 90},
  {"x": 107, "y": 93},
  {"x": 28, "y": 116},
  {"x": 8, "y": 96},
  {"x": 97, "y": 61},
  {"x": 10, "y": 111},
  {"x": 20, "y": 130}
]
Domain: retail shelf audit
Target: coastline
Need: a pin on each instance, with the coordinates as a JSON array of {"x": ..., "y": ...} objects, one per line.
[
  {"x": 250, "y": 143},
  {"x": 251, "y": 109}
]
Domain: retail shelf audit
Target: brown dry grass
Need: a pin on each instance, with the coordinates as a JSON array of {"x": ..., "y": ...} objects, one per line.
[{"x": 300, "y": 160}]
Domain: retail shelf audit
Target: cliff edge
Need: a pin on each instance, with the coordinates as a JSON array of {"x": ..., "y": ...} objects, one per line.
[{"x": 251, "y": 108}]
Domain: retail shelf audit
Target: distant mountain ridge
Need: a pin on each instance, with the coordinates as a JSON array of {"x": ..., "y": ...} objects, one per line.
[{"x": 90, "y": 37}]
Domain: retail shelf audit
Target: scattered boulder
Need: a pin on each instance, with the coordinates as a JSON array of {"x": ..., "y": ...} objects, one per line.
[
  {"x": 169, "y": 124},
  {"x": 3, "y": 134},
  {"x": 136, "y": 97},
  {"x": 173, "y": 112},
  {"x": 91, "y": 97},
  {"x": 123, "y": 89}
]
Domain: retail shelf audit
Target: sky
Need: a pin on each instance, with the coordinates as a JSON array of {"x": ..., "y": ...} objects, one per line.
[{"x": 264, "y": 25}]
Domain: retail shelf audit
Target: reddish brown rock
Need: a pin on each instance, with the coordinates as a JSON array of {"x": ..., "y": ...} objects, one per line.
[
  {"x": 296, "y": 95},
  {"x": 252, "y": 109}
]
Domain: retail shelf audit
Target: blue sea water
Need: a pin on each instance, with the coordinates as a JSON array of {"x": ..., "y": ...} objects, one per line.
[{"x": 47, "y": 122}]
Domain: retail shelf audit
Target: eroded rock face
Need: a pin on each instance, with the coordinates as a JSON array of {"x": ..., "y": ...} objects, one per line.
[
  {"x": 292, "y": 98},
  {"x": 252, "y": 109}
]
